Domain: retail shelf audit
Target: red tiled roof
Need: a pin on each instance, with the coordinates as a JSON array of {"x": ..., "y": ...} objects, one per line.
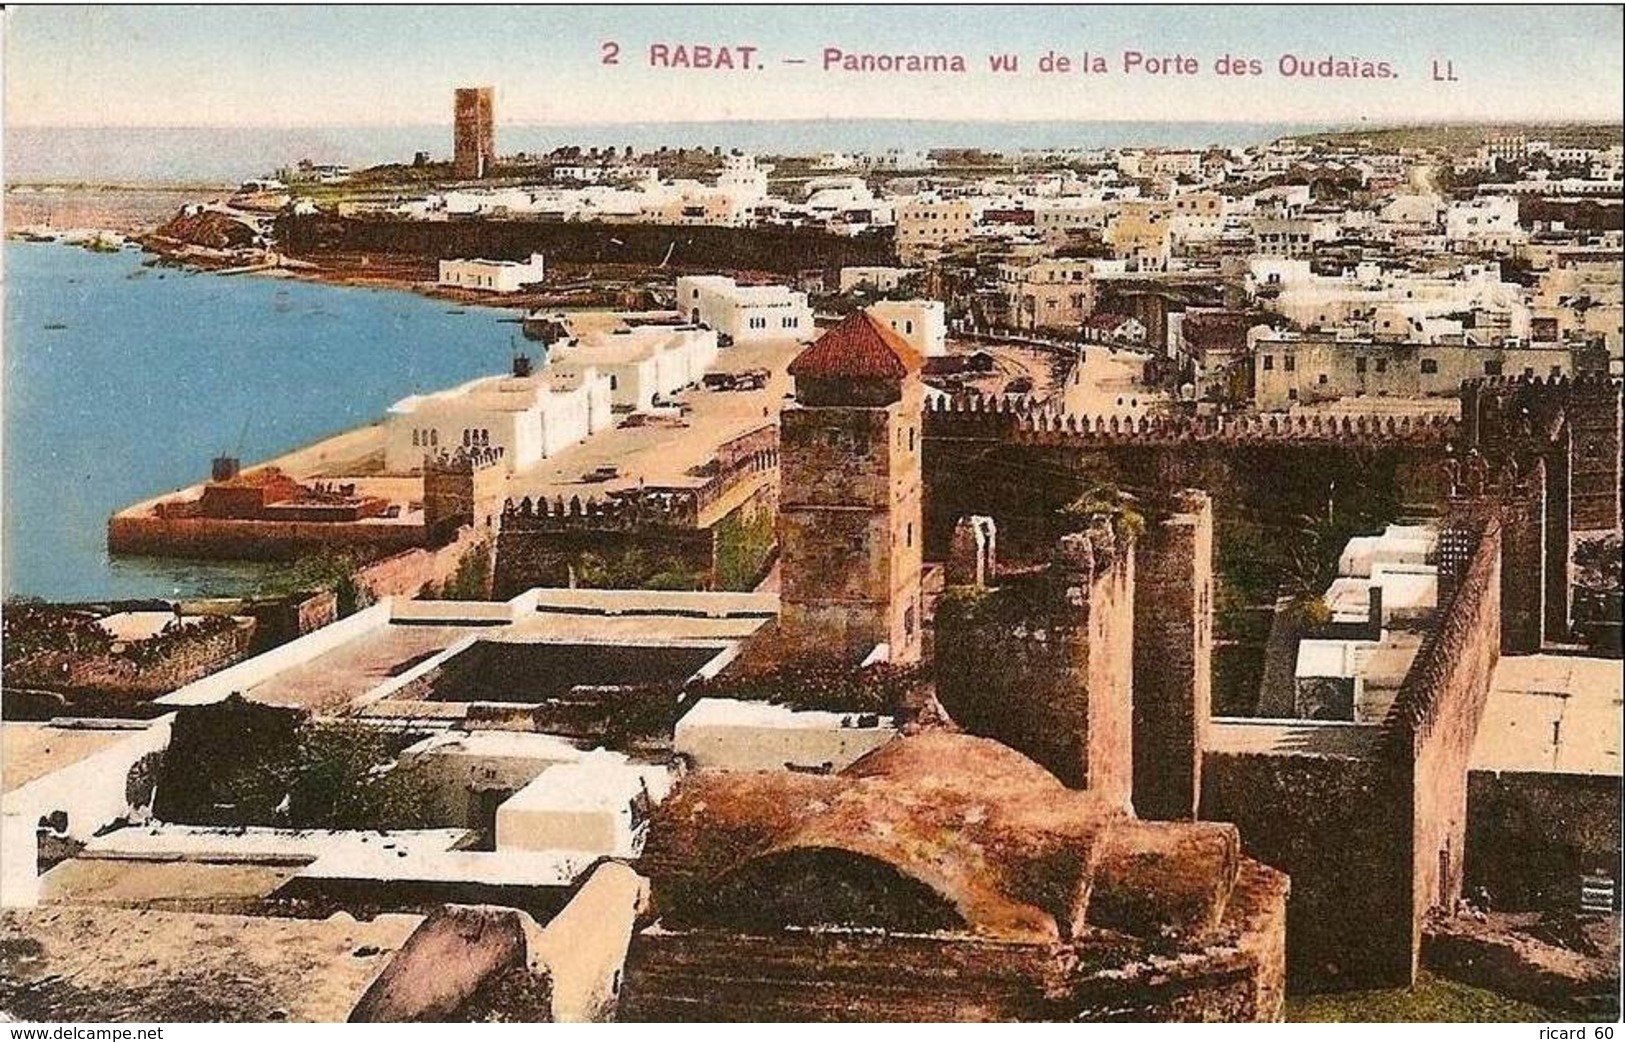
[{"x": 860, "y": 348}]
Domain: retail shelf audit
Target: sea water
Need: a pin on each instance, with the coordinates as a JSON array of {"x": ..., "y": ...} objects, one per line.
[{"x": 122, "y": 381}]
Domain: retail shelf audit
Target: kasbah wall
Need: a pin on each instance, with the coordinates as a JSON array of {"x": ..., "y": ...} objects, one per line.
[
  {"x": 1434, "y": 722},
  {"x": 1019, "y": 468},
  {"x": 1373, "y": 835},
  {"x": 1373, "y": 838},
  {"x": 540, "y": 551},
  {"x": 409, "y": 573},
  {"x": 210, "y": 538},
  {"x": 1501, "y": 411}
]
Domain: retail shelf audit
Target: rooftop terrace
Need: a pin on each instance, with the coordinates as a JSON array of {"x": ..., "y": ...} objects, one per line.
[{"x": 1552, "y": 713}]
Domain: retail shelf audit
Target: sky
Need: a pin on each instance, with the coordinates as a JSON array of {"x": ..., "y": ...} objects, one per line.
[{"x": 293, "y": 66}]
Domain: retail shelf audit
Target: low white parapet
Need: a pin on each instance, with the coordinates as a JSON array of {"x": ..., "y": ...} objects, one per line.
[{"x": 728, "y": 734}]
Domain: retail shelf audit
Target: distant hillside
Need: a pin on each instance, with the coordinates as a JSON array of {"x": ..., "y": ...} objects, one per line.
[{"x": 1464, "y": 137}]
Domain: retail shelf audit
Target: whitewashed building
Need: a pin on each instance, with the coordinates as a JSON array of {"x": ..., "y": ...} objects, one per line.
[
  {"x": 727, "y": 734},
  {"x": 922, "y": 323},
  {"x": 496, "y": 276},
  {"x": 744, "y": 313},
  {"x": 639, "y": 365},
  {"x": 599, "y": 805},
  {"x": 522, "y": 417}
]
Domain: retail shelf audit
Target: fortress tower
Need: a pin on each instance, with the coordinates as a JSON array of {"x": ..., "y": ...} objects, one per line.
[
  {"x": 850, "y": 528},
  {"x": 474, "y": 132}
]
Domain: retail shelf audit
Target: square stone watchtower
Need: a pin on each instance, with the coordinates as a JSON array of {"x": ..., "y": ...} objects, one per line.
[{"x": 850, "y": 528}]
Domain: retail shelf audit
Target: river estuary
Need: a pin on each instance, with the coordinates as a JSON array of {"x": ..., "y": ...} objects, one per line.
[{"x": 122, "y": 381}]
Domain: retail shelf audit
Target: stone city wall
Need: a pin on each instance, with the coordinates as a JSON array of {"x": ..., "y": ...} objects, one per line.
[
  {"x": 1532, "y": 835},
  {"x": 1434, "y": 723},
  {"x": 212, "y": 538}
]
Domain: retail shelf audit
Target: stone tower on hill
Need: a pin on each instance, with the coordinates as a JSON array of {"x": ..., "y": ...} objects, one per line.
[
  {"x": 850, "y": 529},
  {"x": 474, "y": 132}
]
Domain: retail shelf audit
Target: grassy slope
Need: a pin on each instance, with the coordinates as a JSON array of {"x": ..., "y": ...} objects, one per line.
[
  {"x": 1467, "y": 136},
  {"x": 1433, "y": 1000}
]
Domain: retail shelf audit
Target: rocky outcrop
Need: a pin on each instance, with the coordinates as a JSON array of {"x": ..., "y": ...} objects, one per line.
[{"x": 213, "y": 229}]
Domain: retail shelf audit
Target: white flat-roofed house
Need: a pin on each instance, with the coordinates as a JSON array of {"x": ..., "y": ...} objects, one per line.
[
  {"x": 1398, "y": 545},
  {"x": 923, "y": 323},
  {"x": 1486, "y": 222},
  {"x": 598, "y": 805},
  {"x": 523, "y": 417},
  {"x": 641, "y": 364},
  {"x": 745, "y": 313},
  {"x": 496, "y": 276},
  {"x": 1407, "y": 592},
  {"x": 727, "y": 734},
  {"x": 469, "y": 769}
]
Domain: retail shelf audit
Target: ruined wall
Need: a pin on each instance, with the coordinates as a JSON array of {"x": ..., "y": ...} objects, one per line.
[
  {"x": 289, "y": 618},
  {"x": 1335, "y": 824},
  {"x": 1434, "y": 722},
  {"x": 674, "y": 974},
  {"x": 1532, "y": 835},
  {"x": 148, "y": 669},
  {"x": 1173, "y": 657},
  {"x": 1241, "y": 978},
  {"x": 1045, "y": 664},
  {"x": 832, "y": 975},
  {"x": 454, "y": 952}
]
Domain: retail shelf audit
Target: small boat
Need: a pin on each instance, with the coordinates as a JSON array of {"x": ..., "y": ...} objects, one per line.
[
  {"x": 55, "y": 325},
  {"x": 456, "y": 311}
]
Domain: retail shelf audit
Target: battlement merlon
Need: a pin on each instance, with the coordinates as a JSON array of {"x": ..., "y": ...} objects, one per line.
[{"x": 995, "y": 418}]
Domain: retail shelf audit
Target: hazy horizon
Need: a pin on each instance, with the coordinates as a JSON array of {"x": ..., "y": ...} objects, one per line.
[{"x": 169, "y": 155}]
